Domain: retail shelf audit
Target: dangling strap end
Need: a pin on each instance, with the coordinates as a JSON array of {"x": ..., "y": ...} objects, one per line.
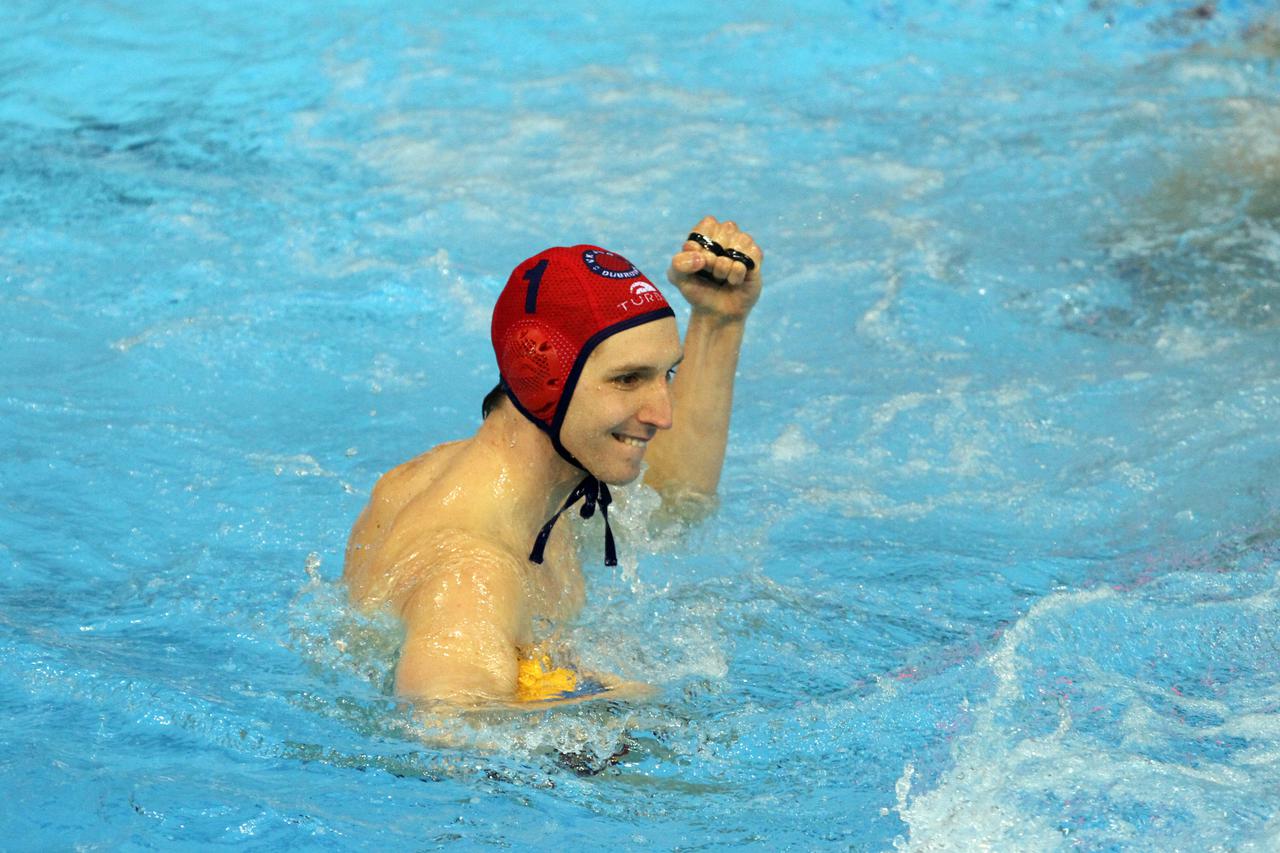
[
  {"x": 540, "y": 544},
  {"x": 610, "y": 550}
]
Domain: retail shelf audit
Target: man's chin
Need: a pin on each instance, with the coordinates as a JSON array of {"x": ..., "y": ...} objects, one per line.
[{"x": 622, "y": 477}]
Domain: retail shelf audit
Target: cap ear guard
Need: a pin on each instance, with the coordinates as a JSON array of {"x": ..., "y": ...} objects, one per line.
[{"x": 535, "y": 363}]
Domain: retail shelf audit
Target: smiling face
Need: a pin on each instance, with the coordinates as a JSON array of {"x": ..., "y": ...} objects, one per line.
[{"x": 621, "y": 400}]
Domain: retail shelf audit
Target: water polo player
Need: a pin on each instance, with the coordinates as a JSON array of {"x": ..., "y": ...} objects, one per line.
[{"x": 468, "y": 544}]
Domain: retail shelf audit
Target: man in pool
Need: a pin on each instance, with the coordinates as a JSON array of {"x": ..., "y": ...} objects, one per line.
[{"x": 462, "y": 542}]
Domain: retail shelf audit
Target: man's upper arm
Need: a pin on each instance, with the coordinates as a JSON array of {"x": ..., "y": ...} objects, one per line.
[{"x": 461, "y": 628}]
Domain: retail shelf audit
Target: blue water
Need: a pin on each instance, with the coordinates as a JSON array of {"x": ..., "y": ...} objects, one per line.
[{"x": 996, "y": 563}]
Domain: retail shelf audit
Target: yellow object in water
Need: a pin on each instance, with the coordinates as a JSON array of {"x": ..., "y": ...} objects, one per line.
[{"x": 539, "y": 680}]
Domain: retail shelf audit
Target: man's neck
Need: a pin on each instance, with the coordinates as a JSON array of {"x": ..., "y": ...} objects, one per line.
[{"x": 532, "y": 479}]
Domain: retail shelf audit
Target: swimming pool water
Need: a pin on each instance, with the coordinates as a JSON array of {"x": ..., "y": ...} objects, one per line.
[{"x": 996, "y": 557}]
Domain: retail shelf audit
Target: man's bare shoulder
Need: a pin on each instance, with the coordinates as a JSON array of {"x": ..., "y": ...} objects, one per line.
[
  {"x": 379, "y": 526},
  {"x": 408, "y": 479},
  {"x": 442, "y": 558},
  {"x": 454, "y": 559},
  {"x": 437, "y": 517}
]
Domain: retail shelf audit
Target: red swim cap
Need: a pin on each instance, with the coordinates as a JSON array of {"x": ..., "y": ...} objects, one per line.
[{"x": 555, "y": 310}]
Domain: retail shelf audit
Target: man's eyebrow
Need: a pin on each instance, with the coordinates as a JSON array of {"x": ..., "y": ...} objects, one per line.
[
  {"x": 642, "y": 368},
  {"x": 634, "y": 368}
]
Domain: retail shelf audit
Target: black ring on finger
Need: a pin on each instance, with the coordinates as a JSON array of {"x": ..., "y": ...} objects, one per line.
[
  {"x": 744, "y": 259},
  {"x": 707, "y": 243}
]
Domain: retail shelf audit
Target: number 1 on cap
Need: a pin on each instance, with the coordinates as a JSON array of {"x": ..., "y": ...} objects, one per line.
[{"x": 533, "y": 275}]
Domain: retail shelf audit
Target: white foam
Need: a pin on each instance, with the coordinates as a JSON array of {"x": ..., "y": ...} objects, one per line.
[
  {"x": 792, "y": 445},
  {"x": 1192, "y": 72},
  {"x": 1181, "y": 343},
  {"x": 908, "y": 181},
  {"x": 1017, "y": 783}
]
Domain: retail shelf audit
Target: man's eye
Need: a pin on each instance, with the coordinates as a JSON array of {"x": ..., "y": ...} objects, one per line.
[
  {"x": 627, "y": 379},
  {"x": 671, "y": 374}
]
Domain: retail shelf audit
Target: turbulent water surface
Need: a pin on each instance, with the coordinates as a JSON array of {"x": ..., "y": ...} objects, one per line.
[{"x": 996, "y": 559}]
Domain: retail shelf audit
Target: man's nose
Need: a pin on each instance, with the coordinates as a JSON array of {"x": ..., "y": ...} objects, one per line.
[{"x": 657, "y": 408}]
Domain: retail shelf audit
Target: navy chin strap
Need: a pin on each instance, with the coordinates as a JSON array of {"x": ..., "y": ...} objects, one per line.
[{"x": 592, "y": 493}]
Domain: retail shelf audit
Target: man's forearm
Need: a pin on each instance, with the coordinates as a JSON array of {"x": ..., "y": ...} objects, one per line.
[{"x": 688, "y": 458}]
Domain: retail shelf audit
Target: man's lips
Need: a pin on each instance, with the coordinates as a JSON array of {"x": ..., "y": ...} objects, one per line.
[{"x": 632, "y": 441}]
